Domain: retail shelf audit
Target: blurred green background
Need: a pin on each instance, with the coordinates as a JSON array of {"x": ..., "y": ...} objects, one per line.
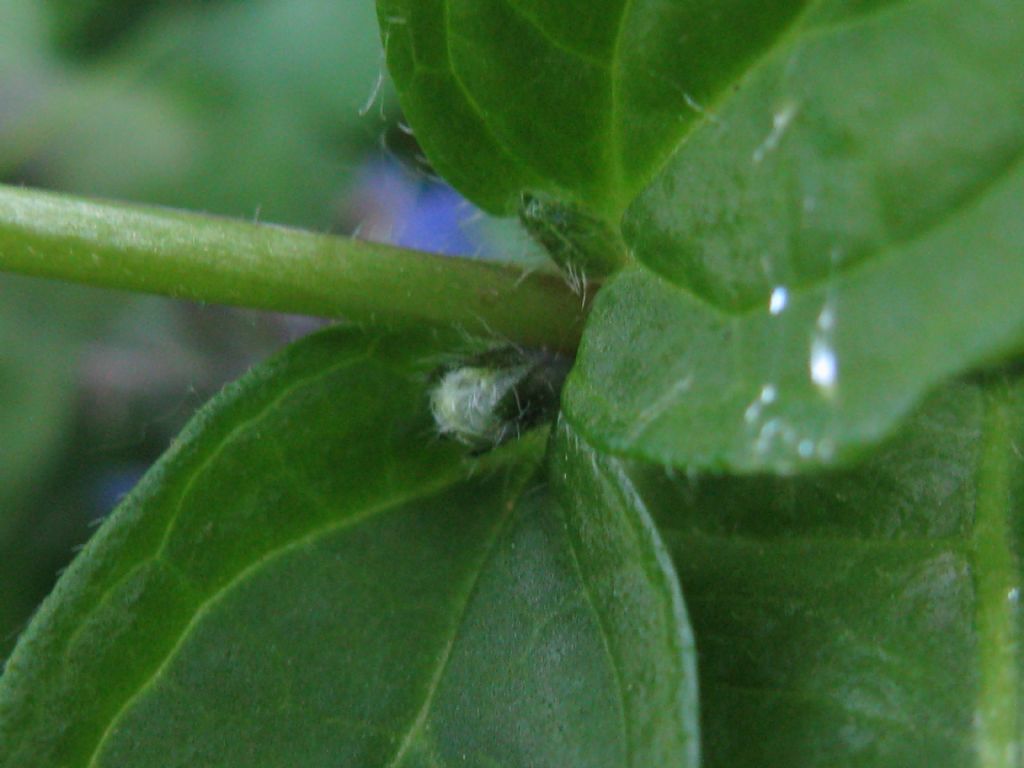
[{"x": 275, "y": 110}]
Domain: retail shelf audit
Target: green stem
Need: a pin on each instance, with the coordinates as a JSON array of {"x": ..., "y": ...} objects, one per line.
[
  {"x": 204, "y": 258},
  {"x": 997, "y": 581}
]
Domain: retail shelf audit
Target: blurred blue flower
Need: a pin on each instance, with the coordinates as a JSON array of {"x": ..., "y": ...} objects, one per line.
[{"x": 390, "y": 204}]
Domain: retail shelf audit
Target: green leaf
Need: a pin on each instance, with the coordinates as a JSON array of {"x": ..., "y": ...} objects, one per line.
[
  {"x": 662, "y": 376},
  {"x": 873, "y": 130},
  {"x": 580, "y": 98},
  {"x": 576, "y": 102},
  {"x": 636, "y": 586},
  {"x": 839, "y": 235},
  {"x": 868, "y": 617},
  {"x": 310, "y": 576}
]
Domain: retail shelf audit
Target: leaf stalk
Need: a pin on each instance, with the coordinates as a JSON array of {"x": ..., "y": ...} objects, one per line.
[{"x": 212, "y": 259}]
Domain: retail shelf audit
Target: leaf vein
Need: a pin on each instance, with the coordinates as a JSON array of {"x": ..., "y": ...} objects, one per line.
[
  {"x": 251, "y": 570},
  {"x": 569, "y": 50},
  {"x": 606, "y": 645},
  {"x": 418, "y": 723}
]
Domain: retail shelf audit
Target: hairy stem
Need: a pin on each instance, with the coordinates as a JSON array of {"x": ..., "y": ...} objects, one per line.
[{"x": 210, "y": 259}]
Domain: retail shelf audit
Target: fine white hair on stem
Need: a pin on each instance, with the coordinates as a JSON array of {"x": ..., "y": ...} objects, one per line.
[{"x": 576, "y": 279}]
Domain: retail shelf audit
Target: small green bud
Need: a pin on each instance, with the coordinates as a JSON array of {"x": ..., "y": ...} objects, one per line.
[
  {"x": 582, "y": 244},
  {"x": 488, "y": 399}
]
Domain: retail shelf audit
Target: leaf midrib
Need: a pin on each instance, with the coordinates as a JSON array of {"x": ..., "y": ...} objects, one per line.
[
  {"x": 618, "y": 172},
  {"x": 609, "y": 476},
  {"x": 605, "y": 632},
  {"x": 444, "y": 658}
]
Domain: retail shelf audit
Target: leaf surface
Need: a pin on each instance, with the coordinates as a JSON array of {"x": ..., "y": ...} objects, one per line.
[
  {"x": 868, "y": 617},
  {"x": 579, "y": 99},
  {"x": 840, "y": 233},
  {"x": 311, "y": 577},
  {"x": 564, "y": 111},
  {"x": 635, "y": 582}
]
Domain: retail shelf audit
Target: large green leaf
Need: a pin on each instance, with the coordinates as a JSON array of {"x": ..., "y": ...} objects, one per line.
[
  {"x": 311, "y": 577},
  {"x": 664, "y": 376},
  {"x": 840, "y": 234},
  {"x": 579, "y": 98},
  {"x": 874, "y": 131},
  {"x": 565, "y": 109},
  {"x": 863, "y": 618}
]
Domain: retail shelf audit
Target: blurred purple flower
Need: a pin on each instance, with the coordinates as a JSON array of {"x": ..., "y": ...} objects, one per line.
[{"x": 391, "y": 205}]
